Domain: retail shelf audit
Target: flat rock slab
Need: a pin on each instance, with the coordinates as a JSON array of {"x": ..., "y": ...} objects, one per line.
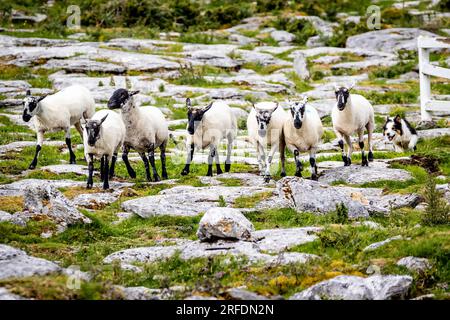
[
  {"x": 312, "y": 196},
  {"x": 273, "y": 241},
  {"x": 377, "y": 287},
  {"x": 415, "y": 264},
  {"x": 379, "y": 244},
  {"x": 15, "y": 263},
  {"x": 95, "y": 200},
  {"x": 188, "y": 200},
  {"x": 356, "y": 174},
  {"x": 67, "y": 168}
]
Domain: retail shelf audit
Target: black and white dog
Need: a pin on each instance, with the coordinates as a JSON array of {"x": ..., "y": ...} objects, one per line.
[{"x": 400, "y": 132}]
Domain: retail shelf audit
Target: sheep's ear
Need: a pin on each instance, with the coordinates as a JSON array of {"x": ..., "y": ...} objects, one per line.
[
  {"x": 207, "y": 107},
  {"x": 188, "y": 103},
  {"x": 305, "y": 99},
  {"x": 351, "y": 86},
  {"x": 253, "y": 106},
  {"x": 103, "y": 119},
  {"x": 132, "y": 93},
  {"x": 276, "y": 107},
  {"x": 397, "y": 118},
  {"x": 41, "y": 98}
]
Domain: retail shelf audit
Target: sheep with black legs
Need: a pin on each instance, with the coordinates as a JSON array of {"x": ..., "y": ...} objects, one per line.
[
  {"x": 147, "y": 130},
  {"x": 401, "y": 133},
  {"x": 103, "y": 136},
  {"x": 302, "y": 132},
  {"x": 352, "y": 114},
  {"x": 58, "y": 112},
  {"x": 265, "y": 126},
  {"x": 207, "y": 127}
]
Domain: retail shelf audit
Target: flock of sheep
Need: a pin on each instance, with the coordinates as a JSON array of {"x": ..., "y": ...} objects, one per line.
[{"x": 145, "y": 129}]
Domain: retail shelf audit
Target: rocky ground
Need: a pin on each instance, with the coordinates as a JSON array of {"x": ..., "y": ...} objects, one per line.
[{"x": 230, "y": 236}]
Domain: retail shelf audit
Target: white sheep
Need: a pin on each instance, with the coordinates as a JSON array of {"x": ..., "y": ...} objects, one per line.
[
  {"x": 352, "y": 113},
  {"x": 58, "y": 112},
  {"x": 103, "y": 136},
  {"x": 147, "y": 130},
  {"x": 207, "y": 127},
  {"x": 401, "y": 133},
  {"x": 265, "y": 126},
  {"x": 302, "y": 132}
]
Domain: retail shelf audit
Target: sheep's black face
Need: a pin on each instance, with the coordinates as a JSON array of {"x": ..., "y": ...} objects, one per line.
[
  {"x": 93, "y": 130},
  {"x": 263, "y": 119},
  {"x": 298, "y": 113},
  {"x": 392, "y": 128},
  {"x": 342, "y": 95},
  {"x": 120, "y": 98},
  {"x": 195, "y": 116},
  {"x": 30, "y": 106}
]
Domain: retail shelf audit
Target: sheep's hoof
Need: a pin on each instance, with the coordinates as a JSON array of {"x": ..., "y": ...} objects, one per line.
[
  {"x": 164, "y": 175},
  {"x": 364, "y": 162},
  {"x": 219, "y": 171},
  {"x": 89, "y": 186},
  {"x": 283, "y": 174},
  {"x": 32, "y": 166},
  {"x": 73, "y": 161},
  {"x": 227, "y": 167},
  {"x": 209, "y": 174},
  {"x": 314, "y": 177},
  {"x": 106, "y": 187},
  {"x": 267, "y": 179},
  {"x": 132, "y": 175},
  {"x": 370, "y": 156},
  {"x": 298, "y": 174},
  {"x": 156, "y": 178},
  {"x": 184, "y": 172}
]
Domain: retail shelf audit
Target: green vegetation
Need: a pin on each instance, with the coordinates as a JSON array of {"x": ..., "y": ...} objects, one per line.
[{"x": 437, "y": 211}]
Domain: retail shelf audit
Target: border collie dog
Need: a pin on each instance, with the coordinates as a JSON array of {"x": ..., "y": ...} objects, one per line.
[{"x": 400, "y": 132}]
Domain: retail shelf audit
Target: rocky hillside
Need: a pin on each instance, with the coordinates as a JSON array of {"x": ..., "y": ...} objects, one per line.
[{"x": 383, "y": 228}]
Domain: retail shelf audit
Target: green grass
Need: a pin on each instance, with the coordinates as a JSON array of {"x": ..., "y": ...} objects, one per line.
[{"x": 262, "y": 69}]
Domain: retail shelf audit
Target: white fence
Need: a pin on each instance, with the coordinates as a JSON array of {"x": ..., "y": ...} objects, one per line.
[{"x": 426, "y": 70}]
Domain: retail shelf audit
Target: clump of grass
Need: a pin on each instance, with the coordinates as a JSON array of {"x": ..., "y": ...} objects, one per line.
[
  {"x": 437, "y": 211},
  {"x": 251, "y": 201},
  {"x": 300, "y": 85},
  {"x": 11, "y": 204},
  {"x": 341, "y": 214}
]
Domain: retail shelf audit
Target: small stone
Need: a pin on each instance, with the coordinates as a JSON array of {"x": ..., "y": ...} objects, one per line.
[
  {"x": 243, "y": 294},
  {"x": 414, "y": 264},
  {"x": 376, "y": 245}
]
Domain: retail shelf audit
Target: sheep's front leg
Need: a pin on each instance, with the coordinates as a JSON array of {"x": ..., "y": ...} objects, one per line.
[
  {"x": 190, "y": 155},
  {"x": 219, "y": 170},
  {"x": 261, "y": 154},
  {"x": 113, "y": 164},
  {"x": 313, "y": 164},
  {"x": 40, "y": 141},
  {"x": 229, "y": 149},
  {"x": 102, "y": 169},
  {"x": 211, "y": 155},
  {"x": 69, "y": 145},
  {"x": 369, "y": 139},
  {"x": 105, "y": 172},
  {"x": 125, "y": 151},
  {"x": 151, "y": 157},
  {"x": 348, "y": 140},
  {"x": 90, "y": 161},
  {"x": 298, "y": 164},
  {"x": 147, "y": 166},
  {"x": 272, "y": 151},
  {"x": 364, "y": 161},
  {"x": 340, "y": 137},
  {"x": 283, "y": 157}
]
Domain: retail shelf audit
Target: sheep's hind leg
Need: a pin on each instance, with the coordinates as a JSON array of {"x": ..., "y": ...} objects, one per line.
[
  {"x": 102, "y": 169},
  {"x": 341, "y": 145},
  {"x": 40, "y": 140},
  {"x": 369, "y": 128},
  {"x": 267, "y": 175},
  {"x": 229, "y": 149},
  {"x": 105, "y": 172},
  {"x": 151, "y": 157},
  {"x": 190, "y": 155},
  {"x": 212, "y": 152},
  {"x": 283, "y": 157},
  {"x": 69, "y": 145},
  {"x": 90, "y": 181},
  {"x": 218, "y": 168},
  {"x": 364, "y": 161},
  {"x": 312, "y": 163},
  {"x": 298, "y": 164},
  {"x": 350, "y": 149},
  {"x": 163, "y": 160},
  {"x": 125, "y": 151},
  {"x": 113, "y": 164},
  {"x": 147, "y": 166}
]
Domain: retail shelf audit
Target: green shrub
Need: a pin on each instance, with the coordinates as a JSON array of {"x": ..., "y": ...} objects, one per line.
[{"x": 437, "y": 211}]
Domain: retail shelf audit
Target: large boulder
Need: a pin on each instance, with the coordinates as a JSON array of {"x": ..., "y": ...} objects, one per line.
[
  {"x": 15, "y": 263},
  {"x": 388, "y": 40},
  {"x": 301, "y": 66},
  {"x": 224, "y": 223},
  {"x": 359, "y": 174},
  {"x": 46, "y": 200},
  {"x": 377, "y": 287}
]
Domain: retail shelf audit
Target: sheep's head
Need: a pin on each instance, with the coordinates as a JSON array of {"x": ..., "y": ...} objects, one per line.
[
  {"x": 93, "y": 130},
  {"x": 30, "y": 106},
  {"x": 121, "y": 98},
  {"x": 195, "y": 115},
  {"x": 392, "y": 127},
  {"x": 342, "y": 95},
  {"x": 263, "y": 116},
  {"x": 298, "y": 111}
]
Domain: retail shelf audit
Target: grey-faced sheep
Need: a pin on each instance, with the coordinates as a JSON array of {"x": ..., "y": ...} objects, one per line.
[
  {"x": 103, "y": 134},
  {"x": 265, "y": 125},
  {"x": 58, "y": 112},
  {"x": 401, "y": 133},
  {"x": 352, "y": 114},
  {"x": 147, "y": 130},
  {"x": 207, "y": 127},
  {"x": 302, "y": 132}
]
